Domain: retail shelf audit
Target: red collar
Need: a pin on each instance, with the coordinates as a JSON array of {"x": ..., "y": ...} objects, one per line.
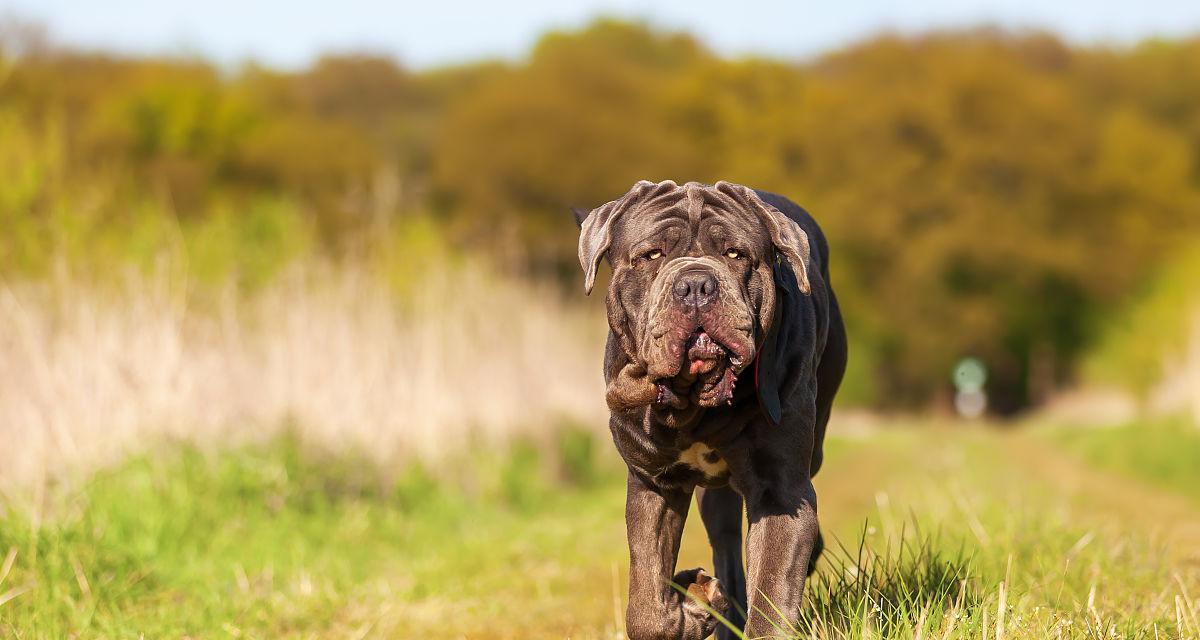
[{"x": 757, "y": 360}]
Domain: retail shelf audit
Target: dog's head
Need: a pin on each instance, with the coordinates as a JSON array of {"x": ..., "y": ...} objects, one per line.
[{"x": 693, "y": 288}]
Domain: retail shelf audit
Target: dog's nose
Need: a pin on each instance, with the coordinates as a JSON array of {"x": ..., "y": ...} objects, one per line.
[{"x": 696, "y": 288}]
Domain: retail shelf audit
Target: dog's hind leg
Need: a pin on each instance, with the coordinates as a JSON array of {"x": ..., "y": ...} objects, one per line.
[{"x": 721, "y": 511}]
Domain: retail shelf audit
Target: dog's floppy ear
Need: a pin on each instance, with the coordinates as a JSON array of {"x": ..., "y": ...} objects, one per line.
[
  {"x": 595, "y": 231},
  {"x": 769, "y": 363},
  {"x": 786, "y": 235}
]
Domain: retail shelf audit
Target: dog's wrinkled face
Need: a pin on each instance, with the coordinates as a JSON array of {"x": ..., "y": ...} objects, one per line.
[
  {"x": 692, "y": 289},
  {"x": 697, "y": 331}
]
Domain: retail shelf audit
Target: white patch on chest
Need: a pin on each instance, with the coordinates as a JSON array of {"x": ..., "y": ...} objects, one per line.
[{"x": 701, "y": 456}]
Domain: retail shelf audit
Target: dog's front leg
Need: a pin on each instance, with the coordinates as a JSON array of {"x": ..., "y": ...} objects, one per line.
[
  {"x": 654, "y": 520},
  {"x": 779, "y": 546}
]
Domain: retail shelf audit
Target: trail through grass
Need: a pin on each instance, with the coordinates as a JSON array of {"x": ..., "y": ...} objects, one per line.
[
  {"x": 1166, "y": 454},
  {"x": 943, "y": 532}
]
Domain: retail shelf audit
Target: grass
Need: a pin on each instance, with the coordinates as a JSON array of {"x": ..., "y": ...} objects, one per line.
[
  {"x": 891, "y": 591},
  {"x": 268, "y": 541},
  {"x": 91, "y": 373},
  {"x": 1165, "y": 453},
  {"x": 934, "y": 532},
  {"x": 191, "y": 545}
]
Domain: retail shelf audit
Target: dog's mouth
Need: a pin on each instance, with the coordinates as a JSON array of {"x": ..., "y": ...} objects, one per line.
[
  {"x": 707, "y": 376},
  {"x": 703, "y": 353}
]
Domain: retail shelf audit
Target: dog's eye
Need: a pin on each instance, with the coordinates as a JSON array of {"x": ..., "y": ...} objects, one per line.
[
  {"x": 733, "y": 253},
  {"x": 654, "y": 254}
]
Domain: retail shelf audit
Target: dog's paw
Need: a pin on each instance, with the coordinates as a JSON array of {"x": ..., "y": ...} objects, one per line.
[
  {"x": 703, "y": 597},
  {"x": 702, "y": 590},
  {"x": 707, "y": 589}
]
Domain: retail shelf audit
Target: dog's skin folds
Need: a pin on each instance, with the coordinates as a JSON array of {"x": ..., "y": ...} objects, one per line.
[{"x": 725, "y": 350}]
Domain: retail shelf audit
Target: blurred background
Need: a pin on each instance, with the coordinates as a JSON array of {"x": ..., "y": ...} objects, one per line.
[{"x": 224, "y": 222}]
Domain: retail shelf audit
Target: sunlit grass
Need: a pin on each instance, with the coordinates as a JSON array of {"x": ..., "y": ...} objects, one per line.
[
  {"x": 273, "y": 540},
  {"x": 888, "y": 591},
  {"x": 967, "y": 534},
  {"x": 1166, "y": 453},
  {"x": 1042, "y": 546}
]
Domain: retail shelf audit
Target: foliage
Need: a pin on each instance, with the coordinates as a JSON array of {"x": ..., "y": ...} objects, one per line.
[
  {"x": 1137, "y": 343},
  {"x": 986, "y": 193}
]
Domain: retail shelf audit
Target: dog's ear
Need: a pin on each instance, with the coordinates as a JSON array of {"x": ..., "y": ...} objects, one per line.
[
  {"x": 580, "y": 215},
  {"x": 595, "y": 230},
  {"x": 786, "y": 235},
  {"x": 768, "y": 372}
]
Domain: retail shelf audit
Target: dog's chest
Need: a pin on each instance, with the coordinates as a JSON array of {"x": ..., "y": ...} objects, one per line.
[
  {"x": 704, "y": 459},
  {"x": 696, "y": 464}
]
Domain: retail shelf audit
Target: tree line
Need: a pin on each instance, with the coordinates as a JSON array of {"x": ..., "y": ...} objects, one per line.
[{"x": 985, "y": 192}]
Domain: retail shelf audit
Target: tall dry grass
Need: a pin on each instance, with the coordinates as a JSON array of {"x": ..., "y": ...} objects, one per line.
[{"x": 89, "y": 373}]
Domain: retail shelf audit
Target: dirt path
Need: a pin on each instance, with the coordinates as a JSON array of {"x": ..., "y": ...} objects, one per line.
[{"x": 1170, "y": 517}]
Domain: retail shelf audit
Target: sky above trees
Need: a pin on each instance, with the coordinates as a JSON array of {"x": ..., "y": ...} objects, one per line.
[{"x": 291, "y": 34}]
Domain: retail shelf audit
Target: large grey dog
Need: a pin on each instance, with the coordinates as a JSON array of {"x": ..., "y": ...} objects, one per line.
[{"x": 725, "y": 349}]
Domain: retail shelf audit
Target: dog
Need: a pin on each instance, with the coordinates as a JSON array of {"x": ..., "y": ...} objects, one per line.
[{"x": 725, "y": 349}]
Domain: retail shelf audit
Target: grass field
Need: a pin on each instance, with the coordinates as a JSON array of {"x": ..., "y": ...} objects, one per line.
[{"x": 964, "y": 532}]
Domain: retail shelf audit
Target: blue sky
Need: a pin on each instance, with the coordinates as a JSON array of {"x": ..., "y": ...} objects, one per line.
[{"x": 291, "y": 33}]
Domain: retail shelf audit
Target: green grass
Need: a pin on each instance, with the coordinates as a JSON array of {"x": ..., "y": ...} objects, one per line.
[
  {"x": 934, "y": 532},
  {"x": 1166, "y": 454},
  {"x": 891, "y": 590},
  {"x": 189, "y": 544},
  {"x": 267, "y": 541}
]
